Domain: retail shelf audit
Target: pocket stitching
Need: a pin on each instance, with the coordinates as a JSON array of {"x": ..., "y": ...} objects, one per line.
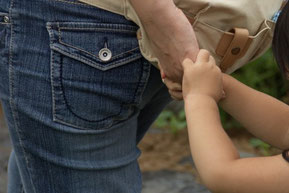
[
  {"x": 69, "y": 106},
  {"x": 76, "y": 3},
  {"x": 97, "y": 29},
  {"x": 52, "y": 86},
  {"x": 60, "y": 109},
  {"x": 56, "y": 118}
]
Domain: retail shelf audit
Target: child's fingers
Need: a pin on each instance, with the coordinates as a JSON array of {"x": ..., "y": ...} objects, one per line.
[
  {"x": 203, "y": 56},
  {"x": 212, "y": 60},
  {"x": 187, "y": 62}
]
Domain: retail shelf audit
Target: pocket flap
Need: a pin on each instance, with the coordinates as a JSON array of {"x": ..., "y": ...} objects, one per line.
[{"x": 84, "y": 42}]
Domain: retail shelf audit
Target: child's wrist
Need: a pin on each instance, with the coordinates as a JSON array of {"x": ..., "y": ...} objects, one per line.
[
  {"x": 227, "y": 79},
  {"x": 199, "y": 99}
]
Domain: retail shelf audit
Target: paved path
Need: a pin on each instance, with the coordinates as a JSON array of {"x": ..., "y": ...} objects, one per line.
[
  {"x": 171, "y": 182},
  {"x": 5, "y": 148}
]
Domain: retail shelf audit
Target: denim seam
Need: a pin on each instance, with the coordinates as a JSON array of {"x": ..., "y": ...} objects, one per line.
[
  {"x": 52, "y": 86},
  {"x": 97, "y": 29},
  {"x": 52, "y": 77},
  {"x": 74, "y": 3},
  {"x": 77, "y": 48},
  {"x": 140, "y": 89},
  {"x": 61, "y": 121},
  {"x": 146, "y": 79},
  {"x": 11, "y": 90},
  {"x": 108, "y": 26}
]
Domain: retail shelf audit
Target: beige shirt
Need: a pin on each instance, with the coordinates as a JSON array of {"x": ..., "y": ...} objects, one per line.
[{"x": 212, "y": 19}]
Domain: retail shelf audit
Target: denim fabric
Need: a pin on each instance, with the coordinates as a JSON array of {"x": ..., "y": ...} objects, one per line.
[{"x": 74, "y": 119}]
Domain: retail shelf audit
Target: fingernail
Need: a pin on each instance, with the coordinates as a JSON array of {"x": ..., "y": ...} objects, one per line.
[{"x": 163, "y": 75}]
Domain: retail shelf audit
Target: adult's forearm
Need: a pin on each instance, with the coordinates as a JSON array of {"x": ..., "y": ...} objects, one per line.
[
  {"x": 172, "y": 38},
  {"x": 149, "y": 9}
]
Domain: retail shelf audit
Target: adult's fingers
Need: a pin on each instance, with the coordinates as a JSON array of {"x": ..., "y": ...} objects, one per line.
[
  {"x": 163, "y": 75},
  {"x": 176, "y": 95},
  {"x": 172, "y": 85}
]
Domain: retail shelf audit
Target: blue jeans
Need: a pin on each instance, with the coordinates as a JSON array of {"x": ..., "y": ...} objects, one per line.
[{"x": 78, "y": 97}]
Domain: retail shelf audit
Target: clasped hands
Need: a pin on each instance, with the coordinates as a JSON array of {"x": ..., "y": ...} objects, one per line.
[
  {"x": 173, "y": 39},
  {"x": 200, "y": 78}
]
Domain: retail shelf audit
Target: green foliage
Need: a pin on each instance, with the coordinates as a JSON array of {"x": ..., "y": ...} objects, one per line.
[
  {"x": 173, "y": 120},
  {"x": 263, "y": 75},
  {"x": 262, "y": 146}
]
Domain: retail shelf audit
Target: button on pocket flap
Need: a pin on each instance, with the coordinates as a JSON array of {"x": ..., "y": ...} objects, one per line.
[
  {"x": 103, "y": 46},
  {"x": 4, "y": 18}
]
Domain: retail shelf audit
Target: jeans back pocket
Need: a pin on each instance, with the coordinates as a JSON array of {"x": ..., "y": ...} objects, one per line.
[{"x": 97, "y": 73}]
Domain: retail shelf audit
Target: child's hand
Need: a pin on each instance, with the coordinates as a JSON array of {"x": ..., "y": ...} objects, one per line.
[{"x": 203, "y": 77}]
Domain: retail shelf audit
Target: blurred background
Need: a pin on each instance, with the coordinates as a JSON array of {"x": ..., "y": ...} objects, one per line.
[{"x": 166, "y": 161}]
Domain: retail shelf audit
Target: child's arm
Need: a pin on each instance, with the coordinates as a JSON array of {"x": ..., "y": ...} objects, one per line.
[
  {"x": 263, "y": 115},
  {"x": 215, "y": 156},
  {"x": 217, "y": 160}
]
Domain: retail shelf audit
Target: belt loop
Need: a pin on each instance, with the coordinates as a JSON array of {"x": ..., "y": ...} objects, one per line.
[{"x": 232, "y": 46}]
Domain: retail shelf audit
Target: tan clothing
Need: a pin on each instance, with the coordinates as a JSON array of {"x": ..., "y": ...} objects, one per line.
[{"x": 211, "y": 19}]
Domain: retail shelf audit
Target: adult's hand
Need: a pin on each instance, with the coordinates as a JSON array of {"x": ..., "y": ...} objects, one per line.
[{"x": 171, "y": 34}]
